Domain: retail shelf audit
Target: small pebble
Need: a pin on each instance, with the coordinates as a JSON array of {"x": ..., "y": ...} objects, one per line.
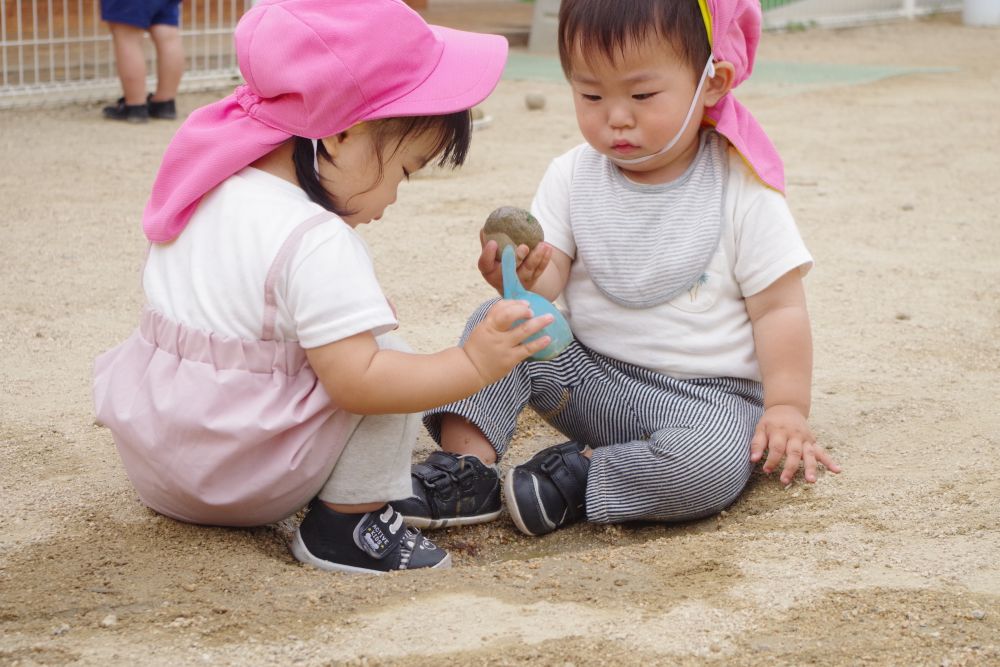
[
  {"x": 978, "y": 614},
  {"x": 109, "y": 621},
  {"x": 534, "y": 101},
  {"x": 61, "y": 630}
]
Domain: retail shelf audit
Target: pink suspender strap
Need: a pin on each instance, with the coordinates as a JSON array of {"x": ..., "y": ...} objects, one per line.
[{"x": 285, "y": 253}]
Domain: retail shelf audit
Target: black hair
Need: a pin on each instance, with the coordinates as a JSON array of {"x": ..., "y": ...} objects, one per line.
[
  {"x": 607, "y": 27},
  {"x": 453, "y": 131}
]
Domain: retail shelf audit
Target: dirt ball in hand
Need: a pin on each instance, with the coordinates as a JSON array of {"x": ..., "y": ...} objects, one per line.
[{"x": 509, "y": 225}]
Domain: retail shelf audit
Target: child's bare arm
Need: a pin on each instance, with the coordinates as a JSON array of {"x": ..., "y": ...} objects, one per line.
[
  {"x": 784, "y": 351},
  {"x": 365, "y": 379}
]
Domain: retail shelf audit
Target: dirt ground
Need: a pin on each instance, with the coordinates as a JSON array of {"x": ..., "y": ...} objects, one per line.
[{"x": 895, "y": 562}]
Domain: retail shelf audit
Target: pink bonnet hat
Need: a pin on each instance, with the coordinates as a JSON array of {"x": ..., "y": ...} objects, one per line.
[
  {"x": 734, "y": 32},
  {"x": 314, "y": 68}
]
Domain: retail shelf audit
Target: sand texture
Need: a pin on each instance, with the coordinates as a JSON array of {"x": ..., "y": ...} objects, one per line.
[{"x": 893, "y": 179}]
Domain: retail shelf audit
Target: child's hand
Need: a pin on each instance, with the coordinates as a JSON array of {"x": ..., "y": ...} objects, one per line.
[
  {"x": 530, "y": 263},
  {"x": 494, "y": 348},
  {"x": 784, "y": 433}
]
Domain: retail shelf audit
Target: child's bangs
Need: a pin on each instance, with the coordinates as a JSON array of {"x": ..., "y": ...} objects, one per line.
[
  {"x": 601, "y": 31},
  {"x": 452, "y": 132}
]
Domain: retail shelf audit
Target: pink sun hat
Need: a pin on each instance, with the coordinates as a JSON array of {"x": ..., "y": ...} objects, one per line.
[
  {"x": 314, "y": 68},
  {"x": 734, "y": 31}
]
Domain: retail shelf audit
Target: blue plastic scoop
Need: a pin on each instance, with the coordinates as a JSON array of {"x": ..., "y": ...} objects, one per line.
[{"x": 559, "y": 330}]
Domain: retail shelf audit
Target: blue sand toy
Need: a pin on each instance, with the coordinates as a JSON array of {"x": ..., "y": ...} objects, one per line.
[{"x": 559, "y": 330}]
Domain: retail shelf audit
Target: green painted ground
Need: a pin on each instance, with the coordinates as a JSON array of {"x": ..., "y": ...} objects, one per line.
[{"x": 772, "y": 75}]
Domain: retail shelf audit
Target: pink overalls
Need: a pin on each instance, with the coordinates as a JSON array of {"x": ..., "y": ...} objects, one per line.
[{"x": 217, "y": 430}]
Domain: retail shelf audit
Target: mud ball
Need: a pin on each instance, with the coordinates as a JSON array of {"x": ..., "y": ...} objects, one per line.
[
  {"x": 509, "y": 225},
  {"x": 534, "y": 101}
]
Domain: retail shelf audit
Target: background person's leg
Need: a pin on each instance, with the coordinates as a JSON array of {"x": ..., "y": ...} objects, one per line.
[
  {"x": 131, "y": 61},
  {"x": 169, "y": 61}
]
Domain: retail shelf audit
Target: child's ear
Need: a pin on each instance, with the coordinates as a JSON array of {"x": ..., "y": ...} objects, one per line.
[
  {"x": 720, "y": 84},
  {"x": 333, "y": 143}
]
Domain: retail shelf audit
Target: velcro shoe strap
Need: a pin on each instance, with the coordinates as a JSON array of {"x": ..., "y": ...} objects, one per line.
[
  {"x": 374, "y": 535},
  {"x": 437, "y": 472},
  {"x": 570, "y": 479}
]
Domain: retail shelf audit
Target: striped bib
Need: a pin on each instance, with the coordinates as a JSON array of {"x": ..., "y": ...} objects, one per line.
[{"x": 642, "y": 245}]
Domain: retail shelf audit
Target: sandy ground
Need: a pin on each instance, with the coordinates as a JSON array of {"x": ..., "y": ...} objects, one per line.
[{"x": 894, "y": 562}]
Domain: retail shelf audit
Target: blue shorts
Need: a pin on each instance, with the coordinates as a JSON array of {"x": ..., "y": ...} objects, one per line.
[{"x": 141, "y": 13}]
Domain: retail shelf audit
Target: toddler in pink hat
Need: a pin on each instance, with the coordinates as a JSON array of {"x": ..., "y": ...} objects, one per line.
[
  {"x": 679, "y": 266},
  {"x": 262, "y": 376}
]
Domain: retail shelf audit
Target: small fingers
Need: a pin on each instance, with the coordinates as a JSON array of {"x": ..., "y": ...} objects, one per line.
[
  {"x": 758, "y": 444},
  {"x": 536, "y": 345},
  {"x": 824, "y": 457},
  {"x": 809, "y": 463},
  {"x": 488, "y": 257},
  {"x": 506, "y": 312},
  {"x": 775, "y": 451},
  {"x": 514, "y": 318},
  {"x": 793, "y": 457},
  {"x": 534, "y": 262},
  {"x": 533, "y": 326}
]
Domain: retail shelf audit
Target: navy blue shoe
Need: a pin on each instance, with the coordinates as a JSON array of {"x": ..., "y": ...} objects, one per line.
[
  {"x": 130, "y": 113},
  {"x": 166, "y": 110},
  {"x": 550, "y": 490},
  {"x": 451, "y": 490},
  {"x": 372, "y": 543}
]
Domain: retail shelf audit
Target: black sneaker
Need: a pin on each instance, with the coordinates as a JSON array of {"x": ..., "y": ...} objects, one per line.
[
  {"x": 451, "y": 490},
  {"x": 549, "y": 491},
  {"x": 372, "y": 543},
  {"x": 130, "y": 113},
  {"x": 165, "y": 110}
]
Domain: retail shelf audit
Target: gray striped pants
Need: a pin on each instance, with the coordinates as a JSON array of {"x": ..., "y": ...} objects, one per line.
[{"x": 664, "y": 449}]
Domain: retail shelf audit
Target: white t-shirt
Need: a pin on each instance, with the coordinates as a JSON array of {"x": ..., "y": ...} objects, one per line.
[
  {"x": 212, "y": 276},
  {"x": 705, "y": 331}
]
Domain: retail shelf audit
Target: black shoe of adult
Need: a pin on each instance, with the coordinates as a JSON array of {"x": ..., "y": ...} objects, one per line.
[
  {"x": 372, "y": 543},
  {"x": 165, "y": 110},
  {"x": 549, "y": 491},
  {"x": 451, "y": 490},
  {"x": 130, "y": 113}
]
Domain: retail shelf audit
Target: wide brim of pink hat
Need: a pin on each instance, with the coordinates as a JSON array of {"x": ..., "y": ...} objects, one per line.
[{"x": 470, "y": 67}]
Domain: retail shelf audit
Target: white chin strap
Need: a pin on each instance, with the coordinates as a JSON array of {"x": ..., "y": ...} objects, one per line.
[
  {"x": 315, "y": 155},
  {"x": 706, "y": 74}
]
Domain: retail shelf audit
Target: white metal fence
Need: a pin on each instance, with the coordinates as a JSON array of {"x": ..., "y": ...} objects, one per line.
[
  {"x": 778, "y": 14},
  {"x": 56, "y": 51},
  {"x": 828, "y": 13}
]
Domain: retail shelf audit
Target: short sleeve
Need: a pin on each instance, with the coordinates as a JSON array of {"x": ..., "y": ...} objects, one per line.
[
  {"x": 551, "y": 203},
  {"x": 332, "y": 292},
  {"x": 768, "y": 243}
]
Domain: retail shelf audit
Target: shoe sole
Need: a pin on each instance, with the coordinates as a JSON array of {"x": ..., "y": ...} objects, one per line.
[
  {"x": 430, "y": 524},
  {"x": 133, "y": 121},
  {"x": 303, "y": 555}
]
